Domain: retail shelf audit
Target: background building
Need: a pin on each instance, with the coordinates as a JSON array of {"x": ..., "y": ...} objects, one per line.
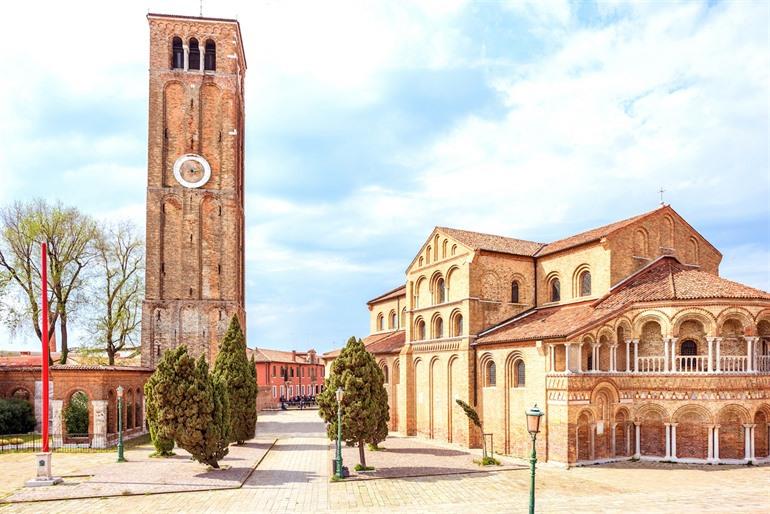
[{"x": 286, "y": 374}]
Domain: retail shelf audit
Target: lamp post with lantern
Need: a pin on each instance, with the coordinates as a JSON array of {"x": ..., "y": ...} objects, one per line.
[
  {"x": 533, "y": 427},
  {"x": 120, "y": 425},
  {"x": 339, "y": 394}
]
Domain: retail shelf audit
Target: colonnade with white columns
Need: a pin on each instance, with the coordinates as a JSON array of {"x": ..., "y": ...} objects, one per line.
[{"x": 670, "y": 362}]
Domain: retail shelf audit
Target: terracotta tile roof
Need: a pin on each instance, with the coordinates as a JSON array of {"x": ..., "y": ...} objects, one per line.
[
  {"x": 665, "y": 279},
  {"x": 493, "y": 243},
  {"x": 384, "y": 342},
  {"x": 267, "y": 355},
  {"x": 543, "y": 323},
  {"x": 393, "y": 293},
  {"x": 590, "y": 235},
  {"x": 668, "y": 279},
  {"x": 392, "y": 342}
]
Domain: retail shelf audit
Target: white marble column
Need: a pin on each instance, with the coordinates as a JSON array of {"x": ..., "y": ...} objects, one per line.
[
  {"x": 668, "y": 441},
  {"x": 628, "y": 438},
  {"x": 747, "y": 440},
  {"x": 56, "y": 422},
  {"x": 186, "y": 56},
  {"x": 638, "y": 450},
  {"x": 593, "y": 441},
  {"x": 750, "y": 354},
  {"x": 665, "y": 357},
  {"x": 710, "y": 367},
  {"x": 636, "y": 355},
  {"x": 552, "y": 356},
  {"x": 628, "y": 355},
  {"x": 673, "y": 354},
  {"x": 567, "y": 348},
  {"x": 719, "y": 354},
  {"x": 716, "y": 443},
  {"x": 99, "y": 408},
  {"x": 580, "y": 358},
  {"x": 710, "y": 453},
  {"x": 613, "y": 366},
  {"x": 673, "y": 441},
  {"x": 202, "y": 55}
]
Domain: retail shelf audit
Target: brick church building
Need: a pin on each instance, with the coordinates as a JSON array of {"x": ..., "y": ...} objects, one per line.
[{"x": 625, "y": 336}]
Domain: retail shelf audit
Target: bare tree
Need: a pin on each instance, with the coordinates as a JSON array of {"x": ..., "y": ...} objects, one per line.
[
  {"x": 70, "y": 235},
  {"x": 118, "y": 288}
]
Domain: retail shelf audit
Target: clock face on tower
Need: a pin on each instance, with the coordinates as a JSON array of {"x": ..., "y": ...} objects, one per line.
[{"x": 192, "y": 170}]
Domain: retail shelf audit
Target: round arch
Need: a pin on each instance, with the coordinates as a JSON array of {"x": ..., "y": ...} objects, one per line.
[
  {"x": 650, "y": 408},
  {"x": 654, "y": 315},
  {"x": 702, "y": 411},
  {"x": 703, "y": 316}
]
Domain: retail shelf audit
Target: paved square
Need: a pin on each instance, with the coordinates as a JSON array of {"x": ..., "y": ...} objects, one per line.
[{"x": 294, "y": 477}]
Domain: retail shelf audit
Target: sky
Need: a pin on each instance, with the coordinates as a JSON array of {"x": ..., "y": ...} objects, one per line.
[{"x": 370, "y": 122}]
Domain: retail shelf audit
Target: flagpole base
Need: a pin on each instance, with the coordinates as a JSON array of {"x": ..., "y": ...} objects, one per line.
[{"x": 44, "y": 477}]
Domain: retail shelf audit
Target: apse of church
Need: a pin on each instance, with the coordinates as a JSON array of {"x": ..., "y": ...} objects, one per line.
[{"x": 195, "y": 210}]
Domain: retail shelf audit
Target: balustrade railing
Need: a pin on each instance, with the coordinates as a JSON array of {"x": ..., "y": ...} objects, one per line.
[
  {"x": 733, "y": 363},
  {"x": 691, "y": 363},
  {"x": 651, "y": 364},
  {"x": 763, "y": 363}
]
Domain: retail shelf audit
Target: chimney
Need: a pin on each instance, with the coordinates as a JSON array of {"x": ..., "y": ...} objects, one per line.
[{"x": 294, "y": 355}]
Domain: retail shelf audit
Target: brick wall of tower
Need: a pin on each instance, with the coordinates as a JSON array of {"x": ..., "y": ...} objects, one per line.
[{"x": 195, "y": 265}]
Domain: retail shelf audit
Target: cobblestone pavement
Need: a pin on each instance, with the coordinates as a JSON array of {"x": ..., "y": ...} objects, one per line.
[{"x": 293, "y": 477}]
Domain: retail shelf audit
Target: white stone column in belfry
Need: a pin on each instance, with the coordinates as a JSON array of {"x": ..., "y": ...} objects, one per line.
[{"x": 186, "y": 56}]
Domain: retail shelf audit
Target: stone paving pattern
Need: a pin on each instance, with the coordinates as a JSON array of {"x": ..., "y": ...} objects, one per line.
[{"x": 293, "y": 477}]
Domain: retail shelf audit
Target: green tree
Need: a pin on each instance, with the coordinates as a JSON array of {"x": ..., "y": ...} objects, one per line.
[
  {"x": 16, "y": 416},
  {"x": 76, "y": 414},
  {"x": 117, "y": 289},
  {"x": 365, "y": 402},
  {"x": 233, "y": 369},
  {"x": 70, "y": 235},
  {"x": 162, "y": 440},
  {"x": 192, "y": 406}
]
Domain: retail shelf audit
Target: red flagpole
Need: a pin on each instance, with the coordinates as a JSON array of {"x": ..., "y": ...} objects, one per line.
[{"x": 44, "y": 354}]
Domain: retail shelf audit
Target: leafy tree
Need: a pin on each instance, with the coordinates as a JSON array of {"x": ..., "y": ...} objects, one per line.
[
  {"x": 76, "y": 414},
  {"x": 161, "y": 439},
  {"x": 365, "y": 401},
  {"x": 117, "y": 288},
  {"x": 16, "y": 416},
  {"x": 70, "y": 235},
  {"x": 192, "y": 406},
  {"x": 235, "y": 372},
  {"x": 473, "y": 416}
]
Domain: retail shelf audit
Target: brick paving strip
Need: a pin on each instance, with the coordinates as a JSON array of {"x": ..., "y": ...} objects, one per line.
[{"x": 143, "y": 475}]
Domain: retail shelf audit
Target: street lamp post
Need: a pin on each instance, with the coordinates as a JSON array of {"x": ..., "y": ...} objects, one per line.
[
  {"x": 120, "y": 425},
  {"x": 533, "y": 427},
  {"x": 339, "y": 394}
]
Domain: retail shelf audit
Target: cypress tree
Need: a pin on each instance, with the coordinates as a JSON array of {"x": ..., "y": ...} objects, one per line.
[
  {"x": 162, "y": 443},
  {"x": 365, "y": 402},
  {"x": 192, "y": 406},
  {"x": 238, "y": 376}
]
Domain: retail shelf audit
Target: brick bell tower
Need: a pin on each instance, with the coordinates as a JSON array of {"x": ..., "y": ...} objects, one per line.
[{"x": 195, "y": 220}]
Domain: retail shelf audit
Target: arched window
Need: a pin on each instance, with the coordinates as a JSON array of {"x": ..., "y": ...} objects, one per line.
[
  {"x": 515, "y": 291},
  {"x": 457, "y": 330},
  {"x": 403, "y": 317},
  {"x": 440, "y": 291},
  {"x": 585, "y": 283},
  {"x": 20, "y": 394},
  {"x": 443, "y": 249},
  {"x": 555, "y": 290},
  {"x": 438, "y": 328},
  {"x": 420, "y": 262},
  {"x": 427, "y": 255},
  {"x": 385, "y": 373},
  {"x": 520, "y": 378},
  {"x": 380, "y": 321},
  {"x": 490, "y": 374},
  {"x": 393, "y": 323},
  {"x": 177, "y": 58},
  {"x": 291, "y": 372},
  {"x": 194, "y": 57},
  {"x": 210, "y": 57},
  {"x": 688, "y": 348},
  {"x": 454, "y": 250},
  {"x": 76, "y": 414},
  {"x": 420, "y": 329}
]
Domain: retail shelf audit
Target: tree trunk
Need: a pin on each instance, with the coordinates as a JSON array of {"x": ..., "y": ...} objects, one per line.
[
  {"x": 63, "y": 327},
  {"x": 213, "y": 463},
  {"x": 361, "y": 455},
  {"x": 110, "y": 356}
]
